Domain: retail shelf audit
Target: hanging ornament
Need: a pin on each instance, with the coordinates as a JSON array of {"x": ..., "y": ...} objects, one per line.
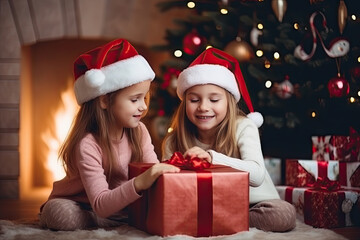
[
  {"x": 338, "y": 86},
  {"x": 193, "y": 42},
  {"x": 342, "y": 16},
  {"x": 170, "y": 80},
  {"x": 284, "y": 89},
  {"x": 240, "y": 50},
  {"x": 299, "y": 51},
  {"x": 338, "y": 47},
  {"x": 254, "y": 36},
  {"x": 279, "y": 7}
]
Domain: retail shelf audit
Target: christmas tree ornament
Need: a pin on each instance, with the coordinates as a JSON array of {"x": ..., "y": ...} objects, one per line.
[
  {"x": 338, "y": 47},
  {"x": 254, "y": 36},
  {"x": 240, "y": 50},
  {"x": 193, "y": 42},
  {"x": 299, "y": 51},
  {"x": 170, "y": 80},
  {"x": 284, "y": 89},
  {"x": 342, "y": 16},
  {"x": 279, "y": 7},
  {"x": 338, "y": 86}
]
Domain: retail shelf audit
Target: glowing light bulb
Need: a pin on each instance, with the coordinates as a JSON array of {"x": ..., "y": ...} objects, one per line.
[
  {"x": 178, "y": 53},
  {"x": 190, "y": 4},
  {"x": 224, "y": 11},
  {"x": 268, "y": 84},
  {"x": 259, "y": 53},
  {"x": 276, "y": 55}
]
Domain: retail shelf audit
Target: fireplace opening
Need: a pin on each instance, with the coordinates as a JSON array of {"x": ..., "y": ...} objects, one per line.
[{"x": 47, "y": 107}]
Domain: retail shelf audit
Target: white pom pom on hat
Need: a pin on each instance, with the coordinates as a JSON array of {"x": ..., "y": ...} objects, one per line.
[
  {"x": 217, "y": 67},
  {"x": 257, "y": 118},
  {"x": 108, "y": 68},
  {"x": 94, "y": 78}
]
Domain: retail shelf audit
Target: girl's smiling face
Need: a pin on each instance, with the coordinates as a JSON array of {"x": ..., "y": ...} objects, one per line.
[
  {"x": 206, "y": 106},
  {"x": 129, "y": 106}
]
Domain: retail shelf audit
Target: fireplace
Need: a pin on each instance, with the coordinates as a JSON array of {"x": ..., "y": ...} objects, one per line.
[{"x": 47, "y": 107}]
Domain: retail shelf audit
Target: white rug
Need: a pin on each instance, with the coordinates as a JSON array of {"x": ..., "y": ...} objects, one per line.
[{"x": 30, "y": 230}]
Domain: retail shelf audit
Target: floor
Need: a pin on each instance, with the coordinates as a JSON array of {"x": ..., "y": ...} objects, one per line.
[{"x": 27, "y": 210}]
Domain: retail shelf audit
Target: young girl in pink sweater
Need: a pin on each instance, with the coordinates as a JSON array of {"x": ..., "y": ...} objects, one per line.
[
  {"x": 210, "y": 125},
  {"x": 111, "y": 86}
]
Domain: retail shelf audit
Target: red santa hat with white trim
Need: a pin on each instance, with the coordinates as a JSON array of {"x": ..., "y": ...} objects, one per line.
[
  {"x": 214, "y": 66},
  {"x": 108, "y": 68}
]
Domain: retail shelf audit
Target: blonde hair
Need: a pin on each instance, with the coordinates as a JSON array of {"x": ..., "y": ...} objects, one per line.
[
  {"x": 91, "y": 118},
  {"x": 185, "y": 133}
]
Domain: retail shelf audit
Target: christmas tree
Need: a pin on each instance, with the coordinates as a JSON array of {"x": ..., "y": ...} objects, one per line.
[{"x": 300, "y": 60}]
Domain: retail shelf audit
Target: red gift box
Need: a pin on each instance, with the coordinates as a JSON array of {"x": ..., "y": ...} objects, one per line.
[
  {"x": 333, "y": 147},
  {"x": 211, "y": 202},
  {"x": 301, "y": 173},
  {"x": 321, "y": 208}
]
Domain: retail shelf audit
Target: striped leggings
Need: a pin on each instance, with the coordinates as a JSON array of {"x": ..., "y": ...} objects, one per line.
[{"x": 63, "y": 214}]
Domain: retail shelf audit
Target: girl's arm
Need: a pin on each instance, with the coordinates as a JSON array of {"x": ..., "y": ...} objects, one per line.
[{"x": 252, "y": 160}]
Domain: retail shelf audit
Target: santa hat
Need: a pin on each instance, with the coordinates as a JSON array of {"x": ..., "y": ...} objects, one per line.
[
  {"x": 214, "y": 66},
  {"x": 108, "y": 68}
]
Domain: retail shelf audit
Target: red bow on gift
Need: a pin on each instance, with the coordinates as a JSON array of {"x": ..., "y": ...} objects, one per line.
[
  {"x": 189, "y": 163},
  {"x": 325, "y": 184}
]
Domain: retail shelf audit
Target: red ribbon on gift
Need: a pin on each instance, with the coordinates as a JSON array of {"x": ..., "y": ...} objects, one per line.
[
  {"x": 188, "y": 163},
  {"x": 204, "y": 186},
  {"x": 324, "y": 183}
]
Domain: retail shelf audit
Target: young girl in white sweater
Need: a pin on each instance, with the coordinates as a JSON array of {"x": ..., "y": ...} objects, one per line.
[{"x": 209, "y": 124}]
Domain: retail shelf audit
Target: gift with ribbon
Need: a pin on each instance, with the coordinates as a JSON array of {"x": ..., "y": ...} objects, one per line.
[
  {"x": 336, "y": 147},
  {"x": 301, "y": 173},
  {"x": 201, "y": 200},
  {"x": 324, "y": 204}
]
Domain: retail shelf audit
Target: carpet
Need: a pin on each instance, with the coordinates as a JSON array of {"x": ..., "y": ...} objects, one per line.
[{"x": 19, "y": 230}]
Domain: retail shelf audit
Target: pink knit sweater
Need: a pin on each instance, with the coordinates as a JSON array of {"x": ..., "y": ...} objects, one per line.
[{"x": 89, "y": 185}]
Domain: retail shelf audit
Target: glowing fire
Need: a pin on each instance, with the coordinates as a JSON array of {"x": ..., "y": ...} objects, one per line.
[{"x": 55, "y": 136}]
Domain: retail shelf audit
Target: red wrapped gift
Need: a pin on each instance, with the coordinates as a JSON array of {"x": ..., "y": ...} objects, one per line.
[
  {"x": 301, "y": 173},
  {"x": 210, "y": 202},
  {"x": 321, "y": 208},
  {"x": 339, "y": 148}
]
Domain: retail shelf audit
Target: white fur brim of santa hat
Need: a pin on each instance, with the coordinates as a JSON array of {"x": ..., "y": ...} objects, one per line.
[
  {"x": 208, "y": 74},
  {"x": 118, "y": 75}
]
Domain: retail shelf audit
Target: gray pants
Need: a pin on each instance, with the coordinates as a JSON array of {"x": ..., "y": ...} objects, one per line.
[{"x": 64, "y": 214}]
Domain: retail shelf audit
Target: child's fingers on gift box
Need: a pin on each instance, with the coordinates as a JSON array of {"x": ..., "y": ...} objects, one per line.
[
  {"x": 147, "y": 178},
  {"x": 198, "y": 152}
]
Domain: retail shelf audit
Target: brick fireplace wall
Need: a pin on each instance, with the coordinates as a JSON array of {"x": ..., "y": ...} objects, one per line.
[{"x": 26, "y": 22}]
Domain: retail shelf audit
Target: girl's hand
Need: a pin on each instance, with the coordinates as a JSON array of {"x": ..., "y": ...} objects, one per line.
[
  {"x": 147, "y": 178},
  {"x": 198, "y": 152}
]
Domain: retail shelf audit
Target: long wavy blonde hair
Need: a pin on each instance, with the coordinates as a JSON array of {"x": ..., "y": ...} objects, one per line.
[
  {"x": 184, "y": 132},
  {"x": 91, "y": 118}
]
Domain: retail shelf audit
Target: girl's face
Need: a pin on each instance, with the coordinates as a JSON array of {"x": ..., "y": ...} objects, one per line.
[
  {"x": 129, "y": 105},
  {"x": 206, "y": 106}
]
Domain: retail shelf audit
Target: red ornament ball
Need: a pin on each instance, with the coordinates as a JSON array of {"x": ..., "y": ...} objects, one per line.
[
  {"x": 193, "y": 43},
  {"x": 338, "y": 87}
]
